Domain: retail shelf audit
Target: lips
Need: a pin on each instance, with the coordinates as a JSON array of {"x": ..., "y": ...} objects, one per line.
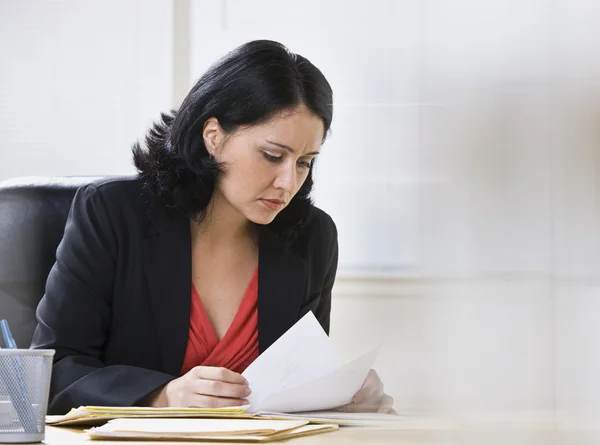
[{"x": 273, "y": 204}]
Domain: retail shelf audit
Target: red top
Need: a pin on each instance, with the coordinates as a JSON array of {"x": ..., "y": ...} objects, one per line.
[{"x": 237, "y": 349}]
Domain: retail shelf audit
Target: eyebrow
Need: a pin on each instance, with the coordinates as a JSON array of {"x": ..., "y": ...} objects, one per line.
[{"x": 290, "y": 149}]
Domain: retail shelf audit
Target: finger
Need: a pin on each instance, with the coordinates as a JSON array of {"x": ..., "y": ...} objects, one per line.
[
  {"x": 372, "y": 378},
  {"x": 375, "y": 396},
  {"x": 379, "y": 392},
  {"x": 372, "y": 389},
  {"x": 386, "y": 405},
  {"x": 364, "y": 395},
  {"x": 360, "y": 408},
  {"x": 222, "y": 374},
  {"x": 203, "y": 401},
  {"x": 218, "y": 388}
]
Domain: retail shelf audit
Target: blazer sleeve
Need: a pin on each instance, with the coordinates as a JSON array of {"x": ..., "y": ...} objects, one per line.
[
  {"x": 74, "y": 315},
  {"x": 323, "y": 309}
]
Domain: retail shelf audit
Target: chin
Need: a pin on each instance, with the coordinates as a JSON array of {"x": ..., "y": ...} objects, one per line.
[
  {"x": 259, "y": 214},
  {"x": 262, "y": 219}
]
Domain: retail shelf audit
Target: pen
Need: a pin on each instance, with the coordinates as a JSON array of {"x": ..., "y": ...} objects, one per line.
[
  {"x": 9, "y": 341},
  {"x": 15, "y": 386}
]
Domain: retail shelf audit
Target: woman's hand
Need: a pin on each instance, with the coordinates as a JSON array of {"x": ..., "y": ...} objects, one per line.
[
  {"x": 371, "y": 398},
  {"x": 203, "y": 387}
]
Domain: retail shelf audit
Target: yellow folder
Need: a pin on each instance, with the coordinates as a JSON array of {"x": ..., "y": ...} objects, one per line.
[{"x": 97, "y": 415}]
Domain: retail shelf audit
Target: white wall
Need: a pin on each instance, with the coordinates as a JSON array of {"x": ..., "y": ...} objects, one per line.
[
  {"x": 462, "y": 169},
  {"x": 80, "y": 81}
]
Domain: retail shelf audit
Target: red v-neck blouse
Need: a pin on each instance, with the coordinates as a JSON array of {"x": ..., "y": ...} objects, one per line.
[{"x": 238, "y": 347}]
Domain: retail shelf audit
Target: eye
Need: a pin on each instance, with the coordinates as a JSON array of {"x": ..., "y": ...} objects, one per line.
[
  {"x": 269, "y": 157},
  {"x": 304, "y": 164}
]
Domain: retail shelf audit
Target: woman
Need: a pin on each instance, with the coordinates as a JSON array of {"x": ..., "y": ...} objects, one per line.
[{"x": 167, "y": 285}]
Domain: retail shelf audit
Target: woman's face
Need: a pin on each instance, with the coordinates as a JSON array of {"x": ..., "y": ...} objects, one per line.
[{"x": 266, "y": 164}]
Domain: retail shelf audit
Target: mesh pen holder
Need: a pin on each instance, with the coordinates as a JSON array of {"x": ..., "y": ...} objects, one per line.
[{"x": 24, "y": 387}]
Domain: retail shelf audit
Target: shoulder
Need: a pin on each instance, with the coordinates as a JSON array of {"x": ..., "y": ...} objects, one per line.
[
  {"x": 121, "y": 199},
  {"x": 113, "y": 192},
  {"x": 318, "y": 236},
  {"x": 117, "y": 187},
  {"x": 322, "y": 224}
]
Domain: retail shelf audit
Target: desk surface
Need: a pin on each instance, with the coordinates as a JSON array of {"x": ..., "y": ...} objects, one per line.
[{"x": 514, "y": 431}]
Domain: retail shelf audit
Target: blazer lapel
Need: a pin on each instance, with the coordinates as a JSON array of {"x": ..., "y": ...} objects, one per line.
[
  {"x": 281, "y": 282},
  {"x": 168, "y": 264}
]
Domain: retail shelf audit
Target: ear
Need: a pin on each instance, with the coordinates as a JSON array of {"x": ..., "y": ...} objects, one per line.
[{"x": 213, "y": 135}]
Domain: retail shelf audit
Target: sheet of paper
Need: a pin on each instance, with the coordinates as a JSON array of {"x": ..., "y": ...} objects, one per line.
[
  {"x": 206, "y": 427},
  {"x": 303, "y": 353},
  {"x": 332, "y": 390},
  {"x": 341, "y": 418},
  {"x": 301, "y": 371}
]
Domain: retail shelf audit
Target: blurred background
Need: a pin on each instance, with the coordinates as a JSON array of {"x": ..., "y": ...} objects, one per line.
[{"x": 462, "y": 167}]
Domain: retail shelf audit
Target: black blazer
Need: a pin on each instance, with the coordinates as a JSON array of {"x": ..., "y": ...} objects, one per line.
[{"x": 117, "y": 302}]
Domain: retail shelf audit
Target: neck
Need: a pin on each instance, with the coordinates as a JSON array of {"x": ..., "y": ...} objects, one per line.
[{"x": 222, "y": 224}]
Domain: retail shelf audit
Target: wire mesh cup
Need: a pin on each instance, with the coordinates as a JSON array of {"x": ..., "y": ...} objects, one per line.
[{"x": 24, "y": 387}]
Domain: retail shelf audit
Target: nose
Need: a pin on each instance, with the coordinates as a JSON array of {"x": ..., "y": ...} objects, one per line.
[{"x": 286, "y": 179}]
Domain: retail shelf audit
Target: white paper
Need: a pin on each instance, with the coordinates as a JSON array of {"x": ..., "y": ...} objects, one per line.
[
  {"x": 331, "y": 390},
  {"x": 301, "y": 354},
  {"x": 342, "y": 418},
  {"x": 301, "y": 371}
]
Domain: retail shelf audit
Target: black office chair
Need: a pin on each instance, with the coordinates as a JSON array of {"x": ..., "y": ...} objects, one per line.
[{"x": 33, "y": 212}]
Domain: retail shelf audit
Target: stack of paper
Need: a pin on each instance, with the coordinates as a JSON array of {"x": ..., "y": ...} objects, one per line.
[
  {"x": 96, "y": 415},
  {"x": 301, "y": 371},
  {"x": 241, "y": 430}
]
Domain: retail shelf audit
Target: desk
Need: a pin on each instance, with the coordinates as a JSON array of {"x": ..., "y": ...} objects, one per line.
[{"x": 493, "y": 432}]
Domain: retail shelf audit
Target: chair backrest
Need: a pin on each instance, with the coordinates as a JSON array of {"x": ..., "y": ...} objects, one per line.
[{"x": 33, "y": 212}]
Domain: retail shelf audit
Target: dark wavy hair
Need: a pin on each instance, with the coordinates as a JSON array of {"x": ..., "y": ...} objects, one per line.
[{"x": 250, "y": 85}]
